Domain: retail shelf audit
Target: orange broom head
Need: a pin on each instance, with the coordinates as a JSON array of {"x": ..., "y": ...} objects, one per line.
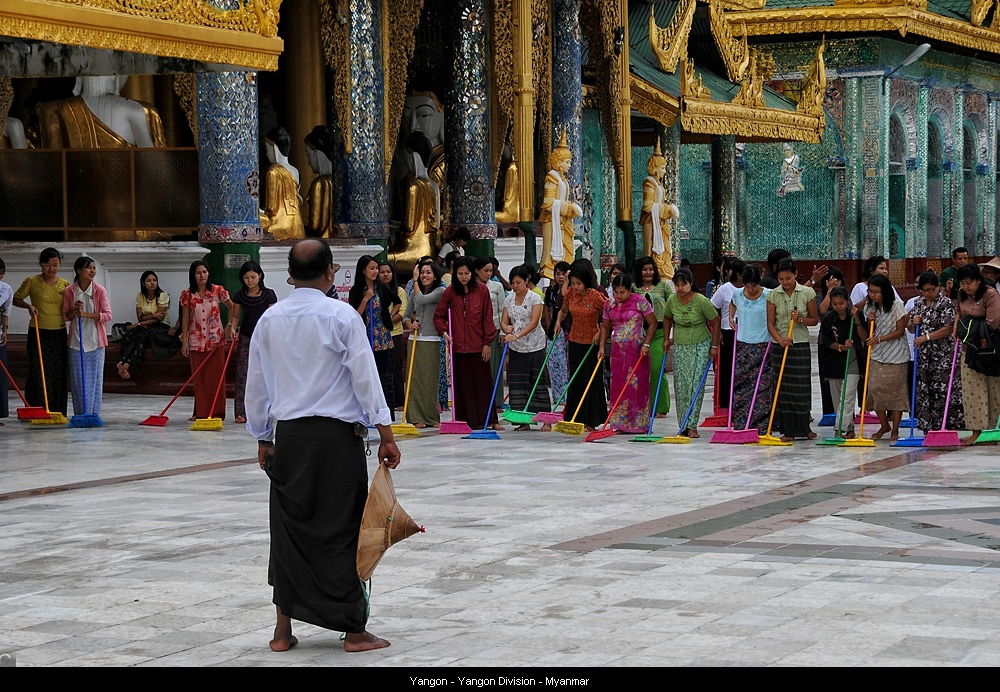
[{"x": 383, "y": 524}]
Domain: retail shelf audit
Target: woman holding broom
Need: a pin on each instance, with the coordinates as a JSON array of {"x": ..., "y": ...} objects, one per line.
[
  {"x": 584, "y": 301},
  {"x": 934, "y": 312},
  {"x": 203, "y": 338},
  {"x": 750, "y": 304},
  {"x": 624, "y": 317},
  {"x": 559, "y": 360},
  {"x": 520, "y": 322},
  {"x": 792, "y": 304},
  {"x": 886, "y": 321},
  {"x": 45, "y": 293},
  {"x": 689, "y": 315},
  {"x": 423, "y": 407},
  {"x": 982, "y": 392},
  {"x": 473, "y": 331},
  {"x": 86, "y": 302},
  {"x": 656, "y": 291},
  {"x": 374, "y": 302}
]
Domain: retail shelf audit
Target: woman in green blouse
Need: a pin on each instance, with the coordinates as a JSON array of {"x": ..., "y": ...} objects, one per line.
[
  {"x": 656, "y": 291},
  {"x": 689, "y": 315}
]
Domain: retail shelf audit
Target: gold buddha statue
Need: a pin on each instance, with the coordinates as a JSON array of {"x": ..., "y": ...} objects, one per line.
[
  {"x": 319, "y": 152},
  {"x": 511, "y": 211},
  {"x": 282, "y": 216},
  {"x": 96, "y": 117},
  {"x": 558, "y": 211},
  {"x": 655, "y": 216}
]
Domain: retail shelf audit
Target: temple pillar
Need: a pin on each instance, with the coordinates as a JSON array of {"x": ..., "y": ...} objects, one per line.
[
  {"x": 469, "y": 157},
  {"x": 623, "y": 112},
  {"x": 567, "y": 88},
  {"x": 872, "y": 134},
  {"x": 524, "y": 122},
  {"x": 990, "y": 243},
  {"x": 854, "y": 168},
  {"x": 957, "y": 227},
  {"x": 883, "y": 243},
  {"x": 365, "y": 204},
  {"x": 671, "y": 148},
  {"x": 229, "y": 181},
  {"x": 305, "y": 86},
  {"x": 723, "y": 194},
  {"x": 920, "y": 232}
]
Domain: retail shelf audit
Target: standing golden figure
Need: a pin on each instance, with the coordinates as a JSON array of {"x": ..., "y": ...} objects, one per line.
[
  {"x": 282, "y": 216},
  {"x": 558, "y": 211},
  {"x": 655, "y": 216}
]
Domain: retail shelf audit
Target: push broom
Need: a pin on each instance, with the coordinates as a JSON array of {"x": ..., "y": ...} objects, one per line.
[
  {"x": 943, "y": 437},
  {"x": 649, "y": 436},
  {"x": 525, "y": 417},
  {"x": 571, "y": 427},
  {"x": 719, "y": 415},
  {"x": 912, "y": 441},
  {"x": 52, "y": 417},
  {"x": 26, "y": 412},
  {"x": 837, "y": 436},
  {"x": 453, "y": 427},
  {"x": 212, "y": 423},
  {"x": 486, "y": 433},
  {"x": 550, "y": 417},
  {"x": 84, "y": 420},
  {"x": 861, "y": 440},
  {"x": 750, "y": 435},
  {"x": 606, "y": 432},
  {"x": 160, "y": 421},
  {"x": 680, "y": 438},
  {"x": 770, "y": 440},
  {"x": 730, "y": 436},
  {"x": 405, "y": 428}
]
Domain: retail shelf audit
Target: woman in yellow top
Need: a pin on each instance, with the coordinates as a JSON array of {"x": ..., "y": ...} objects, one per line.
[{"x": 45, "y": 293}]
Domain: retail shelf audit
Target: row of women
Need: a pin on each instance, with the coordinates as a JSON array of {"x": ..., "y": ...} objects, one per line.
[{"x": 54, "y": 302}]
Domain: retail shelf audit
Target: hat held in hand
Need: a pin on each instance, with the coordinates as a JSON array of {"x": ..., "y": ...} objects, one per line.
[{"x": 383, "y": 524}]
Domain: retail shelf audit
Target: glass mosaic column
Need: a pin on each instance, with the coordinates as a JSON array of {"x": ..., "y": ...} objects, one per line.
[
  {"x": 365, "y": 201},
  {"x": 920, "y": 234},
  {"x": 470, "y": 170},
  {"x": 958, "y": 175},
  {"x": 873, "y": 136},
  {"x": 567, "y": 89},
  {"x": 854, "y": 168},
  {"x": 228, "y": 179},
  {"x": 990, "y": 217},
  {"x": 723, "y": 194},
  {"x": 671, "y": 148}
]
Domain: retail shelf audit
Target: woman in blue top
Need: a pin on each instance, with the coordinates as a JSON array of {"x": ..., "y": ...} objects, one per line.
[{"x": 749, "y": 308}]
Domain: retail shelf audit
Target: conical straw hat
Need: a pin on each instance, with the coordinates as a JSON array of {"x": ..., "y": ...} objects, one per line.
[{"x": 383, "y": 524}]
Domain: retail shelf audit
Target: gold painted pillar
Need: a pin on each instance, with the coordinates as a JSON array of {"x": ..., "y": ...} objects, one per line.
[
  {"x": 140, "y": 87},
  {"x": 524, "y": 121},
  {"x": 624, "y": 156},
  {"x": 305, "y": 79}
]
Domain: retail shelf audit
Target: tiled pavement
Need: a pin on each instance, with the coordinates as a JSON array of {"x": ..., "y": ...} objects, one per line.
[{"x": 149, "y": 547}]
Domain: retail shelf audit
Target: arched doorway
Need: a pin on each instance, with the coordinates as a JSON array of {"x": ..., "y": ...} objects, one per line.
[
  {"x": 970, "y": 194},
  {"x": 897, "y": 188},
  {"x": 935, "y": 189}
]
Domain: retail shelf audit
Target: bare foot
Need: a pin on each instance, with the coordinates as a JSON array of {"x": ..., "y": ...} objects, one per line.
[
  {"x": 811, "y": 435},
  {"x": 692, "y": 433},
  {"x": 498, "y": 427},
  {"x": 283, "y": 644},
  {"x": 969, "y": 441},
  {"x": 786, "y": 438},
  {"x": 522, "y": 428},
  {"x": 661, "y": 415},
  {"x": 241, "y": 419},
  {"x": 881, "y": 433},
  {"x": 420, "y": 426},
  {"x": 192, "y": 419},
  {"x": 547, "y": 427},
  {"x": 283, "y": 639},
  {"x": 366, "y": 641},
  {"x": 123, "y": 371},
  {"x": 849, "y": 435}
]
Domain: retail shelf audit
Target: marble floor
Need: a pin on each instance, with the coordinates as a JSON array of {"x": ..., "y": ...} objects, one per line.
[{"x": 130, "y": 545}]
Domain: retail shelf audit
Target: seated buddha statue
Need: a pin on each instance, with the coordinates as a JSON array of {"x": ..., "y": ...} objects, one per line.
[
  {"x": 282, "y": 216},
  {"x": 319, "y": 152},
  {"x": 96, "y": 117}
]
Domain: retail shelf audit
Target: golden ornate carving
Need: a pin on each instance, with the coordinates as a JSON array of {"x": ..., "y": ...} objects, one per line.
[
  {"x": 718, "y": 118},
  {"x": 400, "y": 31},
  {"x": 670, "y": 43},
  {"x": 334, "y": 34},
  {"x": 691, "y": 86},
  {"x": 751, "y": 93},
  {"x": 735, "y": 52},
  {"x": 899, "y": 17},
  {"x": 503, "y": 78},
  {"x": 978, "y": 11},
  {"x": 541, "y": 64},
  {"x": 6, "y": 98},
  {"x": 186, "y": 88},
  {"x": 744, "y": 4},
  {"x": 814, "y": 86},
  {"x": 599, "y": 20},
  {"x": 651, "y": 101},
  {"x": 922, "y": 4},
  {"x": 86, "y": 26}
]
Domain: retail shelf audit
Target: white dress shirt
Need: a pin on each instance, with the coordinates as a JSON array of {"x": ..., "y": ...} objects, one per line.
[{"x": 309, "y": 356}]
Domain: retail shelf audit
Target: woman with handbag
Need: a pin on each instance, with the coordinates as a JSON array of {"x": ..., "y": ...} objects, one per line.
[{"x": 981, "y": 392}]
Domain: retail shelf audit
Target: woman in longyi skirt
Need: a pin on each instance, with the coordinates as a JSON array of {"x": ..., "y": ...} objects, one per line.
[{"x": 886, "y": 320}]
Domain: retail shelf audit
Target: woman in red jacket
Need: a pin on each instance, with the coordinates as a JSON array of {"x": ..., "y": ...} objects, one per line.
[{"x": 472, "y": 332}]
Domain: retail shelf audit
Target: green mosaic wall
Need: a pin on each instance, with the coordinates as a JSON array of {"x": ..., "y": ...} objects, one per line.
[{"x": 696, "y": 202}]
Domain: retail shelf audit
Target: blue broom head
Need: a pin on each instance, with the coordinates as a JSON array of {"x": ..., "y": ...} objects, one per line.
[{"x": 86, "y": 420}]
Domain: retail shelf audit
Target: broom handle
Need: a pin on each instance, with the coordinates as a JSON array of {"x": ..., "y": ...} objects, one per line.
[
  {"x": 868, "y": 372},
  {"x": 409, "y": 375},
  {"x": 716, "y": 379},
  {"x": 732, "y": 378},
  {"x": 493, "y": 397},
  {"x": 777, "y": 387},
  {"x": 621, "y": 394},
  {"x": 451, "y": 362},
  {"x": 656, "y": 398},
  {"x": 847, "y": 368},
  {"x": 951, "y": 380},
  {"x": 704, "y": 376},
  {"x": 183, "y": 387},
  {"x": 222, "y": 380},
  {"x": 579, "y": 367},
  {"x": 587, "y": 389},
  {"x": 41, "y": 363},
  {"x": 83, "y": 384},
  {"x": 756, "y": 387},
  {"x": 913, "y": 384},
  {"x": 540, "y": 373},
  {"x": 371, "y": 325},
  {"x": 11, "y": 378}
]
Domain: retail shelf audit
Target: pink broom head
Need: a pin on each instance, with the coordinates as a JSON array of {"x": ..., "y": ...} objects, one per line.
[{"x": 734, "y": 437}]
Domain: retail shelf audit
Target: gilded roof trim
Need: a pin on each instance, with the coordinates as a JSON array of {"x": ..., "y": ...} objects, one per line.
[
  {"x": 71, "y": 24},
  {"x": 657, "y": 104}
]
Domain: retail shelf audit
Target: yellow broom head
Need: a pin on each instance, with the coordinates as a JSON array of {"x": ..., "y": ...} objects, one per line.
[
  {"x": 772, "y": 441},
  {"x": 858, "y": 442},
  {"x": 567, "y": 428},
  {"x": 55, "y": 418},
  {"x": 383, "y": 524},
  {"x": 404, "y": 429},
  {"x": 207, "y": 424},
  {"x": 675, "y": 440}
]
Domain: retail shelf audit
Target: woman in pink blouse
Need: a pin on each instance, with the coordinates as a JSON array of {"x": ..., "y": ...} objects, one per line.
[{"x": 203, "y": 338}]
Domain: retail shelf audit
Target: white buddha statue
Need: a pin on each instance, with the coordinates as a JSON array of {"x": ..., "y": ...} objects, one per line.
[
  {"x": 97, "y": 117},
  {"x": 282, "y": 215}
]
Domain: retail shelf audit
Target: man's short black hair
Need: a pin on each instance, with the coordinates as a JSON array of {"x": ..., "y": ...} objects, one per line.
[
  {"x": 775, "y": 256},
  {"x": 957, "y": 251},
  {"x": 462, "y": 234},
  {"x": 309, "y": 259}
]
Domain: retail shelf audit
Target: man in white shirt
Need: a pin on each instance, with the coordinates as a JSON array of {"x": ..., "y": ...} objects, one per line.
[
  {"x": 312, "y": 388},
  {"x": 457, "y": 244}
]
